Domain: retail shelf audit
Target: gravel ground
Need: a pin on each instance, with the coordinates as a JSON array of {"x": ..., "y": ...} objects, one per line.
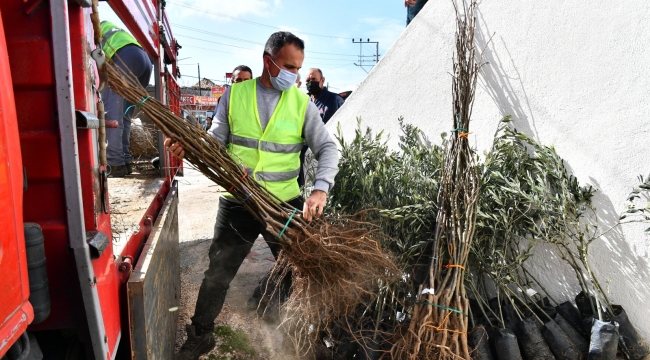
[{"x": 197, "y": 211}]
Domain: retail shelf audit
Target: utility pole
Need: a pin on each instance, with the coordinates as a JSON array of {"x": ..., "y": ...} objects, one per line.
[
  {"x": 362, "y": 61},
  {"x": 199, "y": 67}
]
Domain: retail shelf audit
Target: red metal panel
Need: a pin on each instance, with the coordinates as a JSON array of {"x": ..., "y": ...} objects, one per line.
[
  {"x": 140, "y": 17},
  {"x": 173, "y": 93},
  {"x": 30, "y": 52},
  {"x": 16, "y": 312},
  {"x": 170, "y": 46},
  {"x": 30, "y": 57},
  {"x": 174, "y": 101},
  {"x": 81, "y": 40}
]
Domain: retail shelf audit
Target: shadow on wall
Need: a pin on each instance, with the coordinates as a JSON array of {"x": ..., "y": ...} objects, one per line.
[
  {"x": 611, "y": 256},
  {"x": 500, "y": 86}
]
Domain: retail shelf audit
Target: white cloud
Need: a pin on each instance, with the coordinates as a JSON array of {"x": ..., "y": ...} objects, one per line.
[
  {"x": 372, "y": 21},
  {"x": 386, "y": 31},
  {"x": 213, "y": 8}
]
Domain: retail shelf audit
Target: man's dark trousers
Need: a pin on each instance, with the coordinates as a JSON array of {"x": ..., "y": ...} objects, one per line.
[
  {"x": 412, "y": 11},
  {"x": 235, "y": 232},
  {"x": 133, "y": 60}
]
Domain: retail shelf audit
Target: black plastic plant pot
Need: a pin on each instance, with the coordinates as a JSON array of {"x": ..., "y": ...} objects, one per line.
[
  {"x": 631, "y": 343},
  {"x": 506, "y": 310},
  {"x": 559, "y": 342},
  {"x": 584, "y": 304},
  {"x": 479, "y": 343},
  {"x": 546, "y": 311},
  {"x": 505, "y": 344},
  {"x": 541, "y": 308},
  {"x": 531, "y": 341},
  {"x": 574, "y": 335},
  {"x": 604, "y": 340},
  {"x": 572, "y": 315}
]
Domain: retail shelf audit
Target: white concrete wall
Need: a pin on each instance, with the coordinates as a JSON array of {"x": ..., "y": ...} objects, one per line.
[{"x": 575, "y": 75}]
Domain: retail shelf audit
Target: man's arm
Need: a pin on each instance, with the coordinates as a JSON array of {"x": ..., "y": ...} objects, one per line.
[
  {"x": 324, "y": 148},
  {"x": 339, "y": 101},
  {"x": 220, "y": 129}
]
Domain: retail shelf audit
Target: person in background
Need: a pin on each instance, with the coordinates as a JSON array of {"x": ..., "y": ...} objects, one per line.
[
  {"x": 413, "y": 7},
  {"x": 124, "y": 50},
  {"x": 264, "y": 123},
  {"x": 208, "y": 123},
  {"x": 326, "y": 101},
  {"x": 298, "y": 81},
  {"x": 239, "y": 74}
]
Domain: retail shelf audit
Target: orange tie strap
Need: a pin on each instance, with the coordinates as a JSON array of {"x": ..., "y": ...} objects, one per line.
[
  {"x": 449, "y": 266},
  {"x": 440, "y": 327}
]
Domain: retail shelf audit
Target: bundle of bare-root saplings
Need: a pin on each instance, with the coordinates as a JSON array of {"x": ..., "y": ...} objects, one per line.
[
  {"x": 468, "y": 289},
  {"x": 335, "y": 263}
]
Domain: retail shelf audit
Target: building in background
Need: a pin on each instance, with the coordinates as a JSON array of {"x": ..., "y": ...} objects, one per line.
[{"x": 200, "y": 99}]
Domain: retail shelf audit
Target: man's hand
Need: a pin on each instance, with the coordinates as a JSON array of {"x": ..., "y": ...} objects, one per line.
[
  {"x": 313, "y": 207},
  {"x": 175, "y": 148},
  {"x": 409, "y": 2}
]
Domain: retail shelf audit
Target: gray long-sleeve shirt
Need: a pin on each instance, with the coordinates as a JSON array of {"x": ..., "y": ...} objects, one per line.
[{"x": 317, "y": 137}]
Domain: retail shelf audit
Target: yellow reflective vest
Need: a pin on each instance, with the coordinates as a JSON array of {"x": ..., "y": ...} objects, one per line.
[
  {"x": 272, "y": 156},
  {"x": 114, "y": 38}
]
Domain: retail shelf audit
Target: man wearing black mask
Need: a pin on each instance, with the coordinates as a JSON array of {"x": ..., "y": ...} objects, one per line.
[{"x": 328, "y": 102}]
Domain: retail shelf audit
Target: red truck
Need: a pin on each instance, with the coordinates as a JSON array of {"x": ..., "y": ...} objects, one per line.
[{"x": 66, "y": 292}]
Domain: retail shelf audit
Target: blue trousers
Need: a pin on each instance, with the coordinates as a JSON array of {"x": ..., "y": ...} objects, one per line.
[
  {"x": 411, "y": 11},
  {"x": 136, "y": 61}
]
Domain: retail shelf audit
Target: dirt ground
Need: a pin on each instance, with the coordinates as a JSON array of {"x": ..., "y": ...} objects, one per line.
[
  {"x": 129, "y": 198},
  {"x": 198, "y": 200}
]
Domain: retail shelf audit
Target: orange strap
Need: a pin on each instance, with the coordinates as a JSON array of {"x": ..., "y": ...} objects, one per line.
[
  {"x": 440, "y": 328},
  {"x": 449, "y": 266}
]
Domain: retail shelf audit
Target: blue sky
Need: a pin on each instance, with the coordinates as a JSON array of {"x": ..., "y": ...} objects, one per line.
[{"x": 221, "y": 34}]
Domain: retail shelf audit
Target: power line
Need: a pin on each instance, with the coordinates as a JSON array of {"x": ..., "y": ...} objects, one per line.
[
  {"x": 212, "y": 42},
  {"x": 228, "y": 52},
  {"x": 184, "y": 27},
  {"x": 189, "y": 6},
  {"x": 202, "y": 48},
  {"x": 249, "y": 49},
  {"x": 215, "y": 34}
]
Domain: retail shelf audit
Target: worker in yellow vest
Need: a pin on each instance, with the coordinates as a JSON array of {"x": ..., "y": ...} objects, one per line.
[
  {"x": 264, "y": 123},
  {"x": 122, "y": 48}
]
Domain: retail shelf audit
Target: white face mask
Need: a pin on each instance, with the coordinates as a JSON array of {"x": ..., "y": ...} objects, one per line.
[{"x": 284, "y": 80}]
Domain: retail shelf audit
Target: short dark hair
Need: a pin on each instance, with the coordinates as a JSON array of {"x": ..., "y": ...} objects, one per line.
[
  {"x": 243, "y": 68},
  {"x": 279, "y": 39}
]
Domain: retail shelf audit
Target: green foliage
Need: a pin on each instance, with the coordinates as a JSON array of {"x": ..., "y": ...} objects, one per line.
[
  {"x": 398, "y": 187},
  {"x": 234, "y": 342},
  {"x": 526, "y": 196}
]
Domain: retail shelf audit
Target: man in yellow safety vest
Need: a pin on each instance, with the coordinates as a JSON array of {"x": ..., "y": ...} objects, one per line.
[
  {"x": 122, "y": 48},
  {"x": 264, "y": 122}
]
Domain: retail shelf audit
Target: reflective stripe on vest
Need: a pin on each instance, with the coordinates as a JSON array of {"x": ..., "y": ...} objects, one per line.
[
  {"x": 273, "y": 155},
  {"x": 115, "y": 38},
  {"x": 108, "y": 35},
  {"x": 265, "y": 145}
]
